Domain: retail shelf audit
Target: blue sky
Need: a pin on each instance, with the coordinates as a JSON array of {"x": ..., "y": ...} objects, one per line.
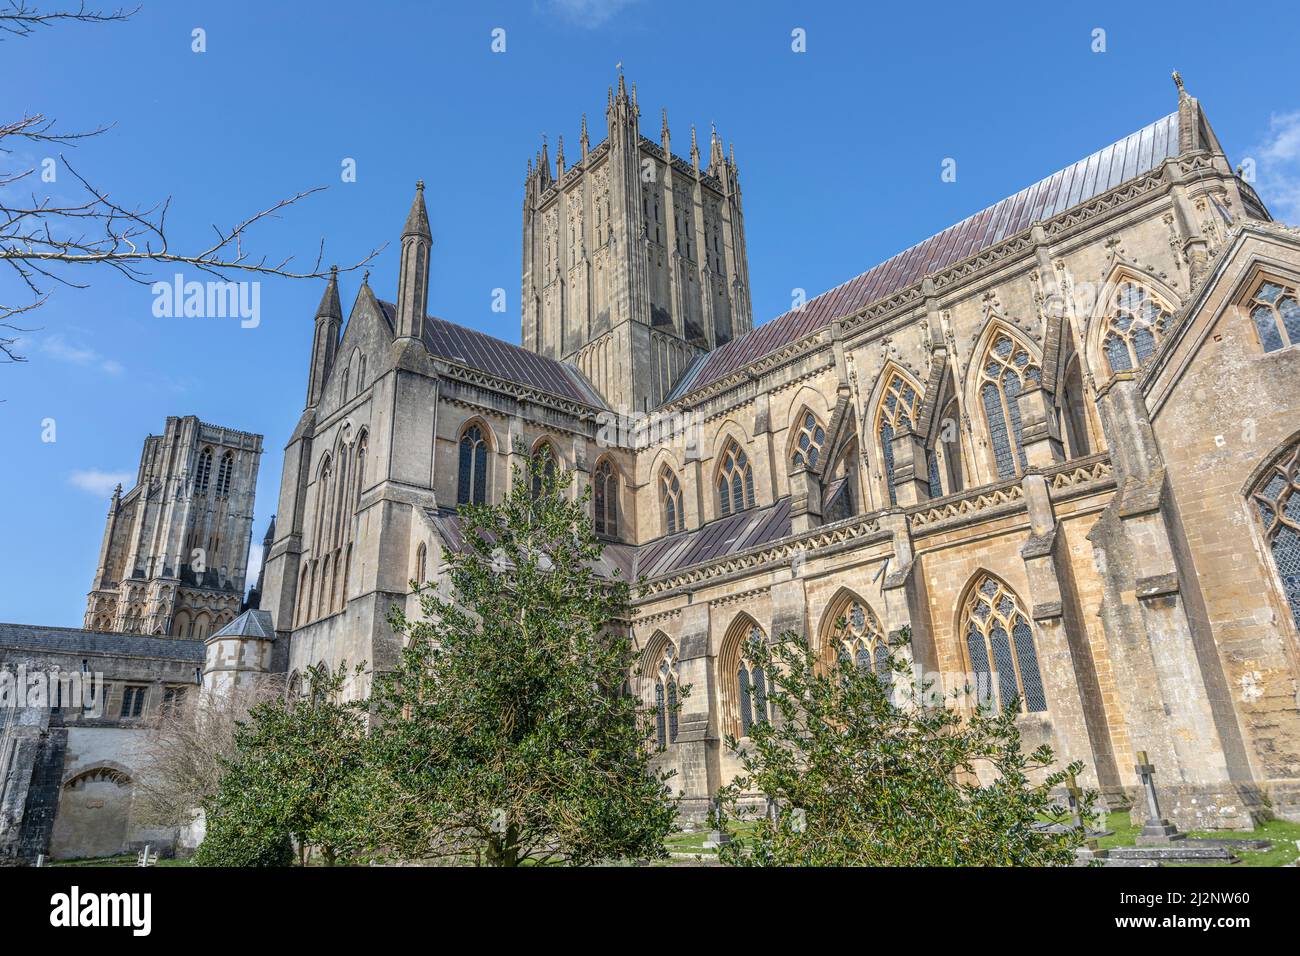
[{"x": 840, "y": 151}]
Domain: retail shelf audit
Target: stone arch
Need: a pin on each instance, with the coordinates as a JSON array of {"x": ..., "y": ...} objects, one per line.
[
  {"x": 998, "y": 643},
  {"x": 945, "y": 447},
  {"x": 803, "y": 447},
  {"x": 1106, "y": 304},
  {"x": 869, "y": 631},
  {"x": 999, "y": 412},
  {"x": 887, "y": 409},
  {"x": 736, "y": 678},
  {"x": 94, "y": 812}
]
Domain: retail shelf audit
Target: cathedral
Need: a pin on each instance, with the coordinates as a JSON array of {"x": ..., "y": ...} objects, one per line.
[
  {"x": 1048, "y": 452},
  {"x": 1051, "y": 447}
]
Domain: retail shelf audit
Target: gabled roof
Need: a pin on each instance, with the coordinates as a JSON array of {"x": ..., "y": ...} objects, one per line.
[
  {"x": 496, "y": 357},
  {"x": 1132, "y": 156},
  {"x": 746, "y": 529}
]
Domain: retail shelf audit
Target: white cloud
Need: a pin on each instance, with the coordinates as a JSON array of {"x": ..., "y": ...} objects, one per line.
[
  {"x": 589, "y": 13},
  {"x": 100, "y": 483},
  {"x": 58, "y": 347},
  {"x": 254, "y": 562},
  {"x": 1277, "y": 166}
]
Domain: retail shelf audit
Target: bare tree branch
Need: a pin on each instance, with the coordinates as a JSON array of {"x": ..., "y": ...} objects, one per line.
[{"x": 21, "y": 18}]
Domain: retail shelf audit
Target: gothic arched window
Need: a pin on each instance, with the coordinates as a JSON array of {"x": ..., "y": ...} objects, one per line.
[
  {"x": 203, "y": 473},
  {"x": 808, "y": 442},
  {"x": 1000, "y": 641},
  {"x": 1135, "y": 328},
  {"x": 666, "y": 683},
  {"x": 752, "y": 687},
  {"x": 543, "y": 455},
  {"x": 735, "y": 481},
  {"x": 605, "y": 499},
  {"x": 670, "y": 491},
  {"x": 898, "y": 407},
  {"x": 223, "y": 474},
  {"x": 1008, "y": 368},
  {"x": 1275, "y": 310},
  {"x": 1276, "y": 501},
  {"x": 358, "y": 484},
  {"x": 471, "y": 483},
  {"x": 861, "y": 640},
  {"x": 323, "y": 487}
]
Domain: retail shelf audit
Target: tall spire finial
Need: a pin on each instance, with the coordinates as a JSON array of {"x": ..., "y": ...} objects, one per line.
[
  {"x": 582, "y": 139},
  {"x": 1178, "y": 82}
]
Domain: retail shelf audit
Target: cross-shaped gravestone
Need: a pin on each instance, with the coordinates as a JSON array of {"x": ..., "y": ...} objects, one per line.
[
  {"x": 718, "y": 837},
  {"x": 1075, "y": 798},
  {"x": 1157, "y": 829}
]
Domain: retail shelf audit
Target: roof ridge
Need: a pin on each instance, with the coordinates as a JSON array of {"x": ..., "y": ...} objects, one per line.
[{"x": 1097, "y": 172}]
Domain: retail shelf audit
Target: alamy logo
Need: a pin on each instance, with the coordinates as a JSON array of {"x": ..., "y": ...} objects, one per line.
[
  {"x": 74, "y": 909},
  {"x": 208, "y": 300}
]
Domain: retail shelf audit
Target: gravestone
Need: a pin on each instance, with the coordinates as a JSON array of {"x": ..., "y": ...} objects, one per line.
[
  {"x": 718, "y": 837},
  {"x": 1157, "y": 830}
]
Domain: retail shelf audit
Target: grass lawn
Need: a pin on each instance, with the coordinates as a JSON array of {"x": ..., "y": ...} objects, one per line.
[
  {"x": 125, "y": 859},
  {"x": 1283, "y": 834}
]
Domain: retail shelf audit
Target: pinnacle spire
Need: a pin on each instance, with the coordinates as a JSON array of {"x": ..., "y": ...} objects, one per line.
[
  {"x": 417, "y": 220},
  {"x": 329, "y": 307},
  {"x": 559, "y": 158},
  {"x": 695, "y": 150},
  {"x": 582, "y": 139}
]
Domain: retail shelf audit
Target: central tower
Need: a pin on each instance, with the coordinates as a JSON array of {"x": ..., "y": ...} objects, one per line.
[{"x": 634, "y": 259}]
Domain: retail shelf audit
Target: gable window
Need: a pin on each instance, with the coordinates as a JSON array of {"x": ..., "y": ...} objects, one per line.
[
  {"x": 1135, "y": 329},
  {"x": 808, "y": 443},
  {"x": 1000, "y": 642},
  {"x": 735, "y": 481},
  {"x": 471, "y": 484},
  {"x": 1275, "y": 310},
  {"x": 670, "y": 490},
  {"x": 1007, "y": 369},
  {"x": 605, "y": 499},
  {"x": 1276, "y": 503}
]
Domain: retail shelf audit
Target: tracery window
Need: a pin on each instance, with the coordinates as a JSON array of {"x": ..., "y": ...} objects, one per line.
[
  {"x": 666, "y": 683},
  {"x": 752, "y": 687},
  {"x": 1276, "y": 502},
  {"x": 1135, "y": 329},
  {"x": 203, "y": 473},
  {"x": 471, "y": 484},
  {"x": 1275, "y": 310},
  {"x": 670, "y": 491},
  {"x": 1008, "y": 368},
  {"x": 808, "y": 442},
  {"x": 605, "y": 499},
  {"x": 735, "y": 481},
  {"x": 861, "y": 640},
  {"x": 1000, "y": 641},
  {"x": 898, "y": 407}
]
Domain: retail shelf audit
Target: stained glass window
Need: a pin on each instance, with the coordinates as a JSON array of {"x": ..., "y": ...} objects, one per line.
[
  {"x": 898, "y": 406},
  {"x": 735, "y": 481},
  {"x": 471, "y": 484},
  {"x": 1276, "y": 501},
  {"x": 1275, "y": 311},
  {"x": 1008, "y": 368},
  {"x": 808, "y": 442},
  {"x": 1000, "y": 640},
  {"x": 666, "y": 679},
  {"x": 862, "y": 640},
  {"x": 1135, "y": 328},
  {"x": 605, "y": 499},
  {"x": 670, "y": 490}
]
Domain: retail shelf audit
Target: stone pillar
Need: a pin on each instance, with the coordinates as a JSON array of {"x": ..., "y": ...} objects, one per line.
[
  {"x": 1164, "y": 667},
  {"x": 697, "y": 746},
  {"x": 1073, "y": 694},
  {"x": 805, "y": 500},
  {"x": 911, "y": 476},
  {"x": 1039, "y": 429}
]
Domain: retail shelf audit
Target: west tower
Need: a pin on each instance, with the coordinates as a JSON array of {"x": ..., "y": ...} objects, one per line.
[{"x": 633, "y": 258}]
